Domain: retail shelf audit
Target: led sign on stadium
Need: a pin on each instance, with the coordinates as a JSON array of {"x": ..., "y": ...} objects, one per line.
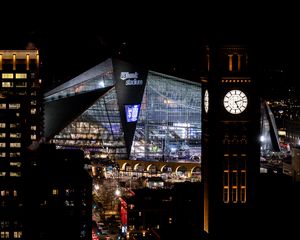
[
  {"x": 131, "y": 78},
  {"x": 132, "y": 112}
]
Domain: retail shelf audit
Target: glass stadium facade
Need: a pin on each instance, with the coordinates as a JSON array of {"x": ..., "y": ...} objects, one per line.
[
  {"x": 122, "y": 111},
  {"x": 169, "y": 125}
]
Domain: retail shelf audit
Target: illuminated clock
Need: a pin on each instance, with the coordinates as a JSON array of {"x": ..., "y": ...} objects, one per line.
[
  {"x": 206, "y": 101},
  {"x": 235, "y": 101}
]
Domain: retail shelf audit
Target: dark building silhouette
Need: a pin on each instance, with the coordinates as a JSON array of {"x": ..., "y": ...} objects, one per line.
[
  {"x": 58, "y": 199},
  {"x": 20, "y": 125},
  {"x": 167, "y": 213},
  {"x": 230, "y": 142}
]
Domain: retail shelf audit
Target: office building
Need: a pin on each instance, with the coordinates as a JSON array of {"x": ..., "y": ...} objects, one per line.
[
  {"x": 20, "y": 125},
  {"x": 58, "y": 199}
]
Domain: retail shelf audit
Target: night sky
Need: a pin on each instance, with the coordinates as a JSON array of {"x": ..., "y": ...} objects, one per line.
[{"x": 167, "y": 39}]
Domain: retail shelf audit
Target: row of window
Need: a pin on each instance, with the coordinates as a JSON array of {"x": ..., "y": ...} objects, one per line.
[
  {"x": 10, "y": 84},
  {"x": 232, "y": 62},
  {"x": 15, "y": 125},
  {"x": 17, "y": 85},
  {"x": 10, "y": 106},
  {"x": 11, "y": 174},
  {"x": 11, "y": 75},
  {"x": 16, "y": 106},
  {"x": 6, "y": 193},
  {"x": 12, "y": 154},
  {"x": 234, "y": 178},
  {"x": 7, "y": 224},
  {"x": 68, "y": 192},
  {"x": 6, "y": 234},
  {"x": 11, "y": 135},
  {"x": 12, "y": 145}
]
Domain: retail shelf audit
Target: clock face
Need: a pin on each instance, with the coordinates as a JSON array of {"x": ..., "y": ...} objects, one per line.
[
  {"x": 206, "y": 101},
  {"x": 235, "y": 101}
]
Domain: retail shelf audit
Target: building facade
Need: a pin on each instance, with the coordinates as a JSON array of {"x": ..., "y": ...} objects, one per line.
[
  {"x": 231, "y": 149},
  {"x": 20, "y": 125},
  {"x": 58, "y": 199},
  {"x": 124, "y": 111}
]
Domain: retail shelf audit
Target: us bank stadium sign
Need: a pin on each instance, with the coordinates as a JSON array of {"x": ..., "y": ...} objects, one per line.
[{"x": 131, "y": 79}]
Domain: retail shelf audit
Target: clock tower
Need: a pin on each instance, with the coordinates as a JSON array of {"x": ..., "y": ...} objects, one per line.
[{"x": 230, "y": 142}]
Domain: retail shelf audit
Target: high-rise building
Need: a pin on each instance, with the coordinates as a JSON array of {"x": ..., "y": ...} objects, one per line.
[
  {"x": 230, "y": 141},
  {"x": 20, "y": 125},
  {"x": 58, "y": 199}
]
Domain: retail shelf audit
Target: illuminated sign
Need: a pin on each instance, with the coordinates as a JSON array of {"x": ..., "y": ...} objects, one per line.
[
  {"x": 131, "y": 78},
  {"x": 132, "y": 112},
  {"x": 128, "y": 75}
]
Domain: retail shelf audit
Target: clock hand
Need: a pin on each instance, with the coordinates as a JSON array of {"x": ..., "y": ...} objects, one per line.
[{"x": 237, "y": 105}]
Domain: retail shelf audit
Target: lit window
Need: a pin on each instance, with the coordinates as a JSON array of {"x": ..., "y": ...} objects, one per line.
[
  {"x": 4, "y": 224},
  {"x": 4, "y": 193},
  {"x": 15, "y": 135},
  {"x": 2, "y": 145},
  {"x": 33, "y": 93},
  {"x": 7, "y": 84},
  {"x": 15, "y": 174},
  {"x": 33, "y": 127},
  {"x": 33, "y": 137},
  {"x": 55, "y": 191},
  {"x": 226, "y": 194},
  {"x": 2, "y": 154},
  {"x": 15, "y": 154},
  {"x": 4, "y": 234},
  {"x": 18, "y": 234},
  {"x": 2, "y": 125},
  {"x": 14, "y": 125},
  {"x": 15, "y": 193},
  {"x": 33, "y": 102},
  {"x": 27, "y": 62},
  {"x": 14, "y": 61},
  {"x": 2, "y": 135},
  {"x": 3, "y": 106},
  {"x": 21, "y": 75},
  {"x": 243, "y": 194},
  {"x": 7, "y": 75},
  {"x": 21, "y": 84},
  {"x": 15, "y": 164},
  {"x": 14, "y": 105},
  {"x": 15, "y": 145},
  {"x": 234, "y": 194},
  {"x": 33, "y": 111},
  {"x": 2, "y": 174}
]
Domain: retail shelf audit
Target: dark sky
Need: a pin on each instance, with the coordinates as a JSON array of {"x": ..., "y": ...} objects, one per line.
[{"x": 168, "y": 39}]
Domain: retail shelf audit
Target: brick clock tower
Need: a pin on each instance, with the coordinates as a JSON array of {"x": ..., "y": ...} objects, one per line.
[{"x": 230, "y": 142}]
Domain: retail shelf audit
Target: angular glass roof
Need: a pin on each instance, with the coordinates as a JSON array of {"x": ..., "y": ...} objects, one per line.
[{"x": 97, "y": 77}]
